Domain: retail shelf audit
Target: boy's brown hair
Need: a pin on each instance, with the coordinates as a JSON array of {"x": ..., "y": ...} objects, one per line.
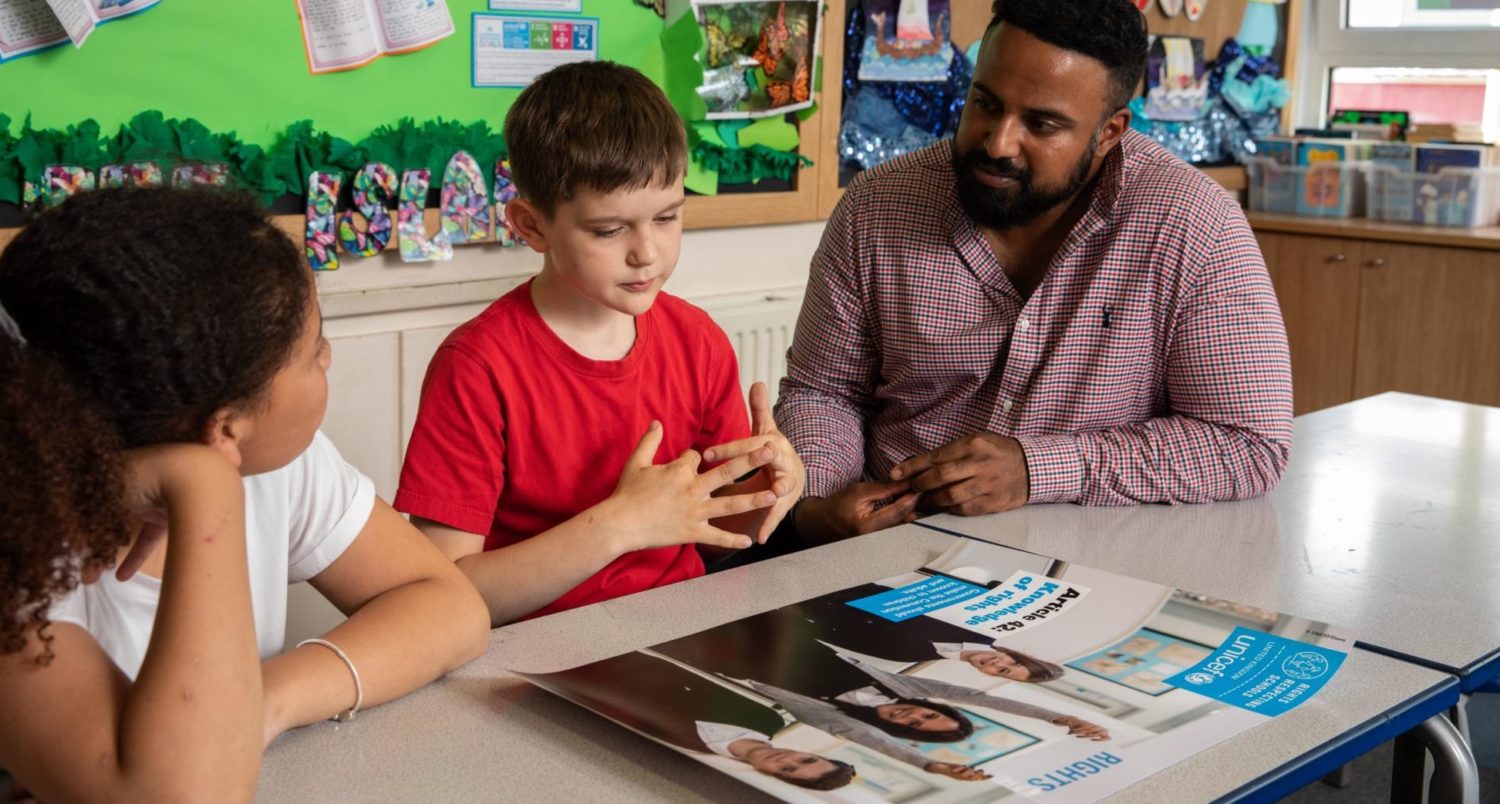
[{"x": 592, "y": 125}]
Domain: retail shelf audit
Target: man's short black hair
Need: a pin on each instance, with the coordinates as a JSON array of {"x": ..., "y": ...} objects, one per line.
[{"x": 1112, "y": 32}]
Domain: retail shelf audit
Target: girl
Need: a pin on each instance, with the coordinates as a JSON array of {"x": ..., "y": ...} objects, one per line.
[
  {"x": 187, "y": 317},
  {"x": 71, "y": 727}
]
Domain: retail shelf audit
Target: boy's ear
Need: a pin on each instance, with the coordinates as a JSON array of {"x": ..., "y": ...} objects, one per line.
[
  {"x": 527, "y": 221},
  {"x": 225, "y": 432}
]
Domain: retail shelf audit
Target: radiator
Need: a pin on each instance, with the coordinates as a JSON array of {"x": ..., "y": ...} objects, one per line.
[{"x": 760, "y": 327}]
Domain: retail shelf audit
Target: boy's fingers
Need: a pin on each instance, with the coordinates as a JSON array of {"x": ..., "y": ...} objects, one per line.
[
  {"x": 644, "y": 453},
  {"x": 733, "y": 504},
  {"x": 711, "y": 535},
  {"x": 778, "y": 513},
  {"x": 690, "y": 458},
  {"x": 731, "y": 470},
  {"x": 761, "y": 421},
  {"x": 734, "y": 449}
]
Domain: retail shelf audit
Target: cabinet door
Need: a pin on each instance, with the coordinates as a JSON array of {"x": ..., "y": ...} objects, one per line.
[
  {"x": 1430, "y": 323},
  {"x": 1317, "y": 282}
]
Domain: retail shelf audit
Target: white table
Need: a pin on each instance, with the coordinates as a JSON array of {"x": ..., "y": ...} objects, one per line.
[
  {"x": 485, "y": 734},
  {"x": 1386, "y": 522}
]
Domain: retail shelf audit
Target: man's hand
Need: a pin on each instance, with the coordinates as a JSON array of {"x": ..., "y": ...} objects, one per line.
[
  {"x": 1078, "y": 727},
  {"x": 859, "y": 509},
  {"x": 978, "y": 474},
  {"x": 963, "y": 773}
]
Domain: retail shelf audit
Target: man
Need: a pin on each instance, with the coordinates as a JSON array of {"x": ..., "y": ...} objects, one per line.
[{"x": 1048, "y": 308}]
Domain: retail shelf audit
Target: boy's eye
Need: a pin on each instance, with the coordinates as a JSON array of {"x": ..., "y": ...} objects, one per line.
[
  {"x": 667, "y": 218},
  {"x": 608, "y": 232}
]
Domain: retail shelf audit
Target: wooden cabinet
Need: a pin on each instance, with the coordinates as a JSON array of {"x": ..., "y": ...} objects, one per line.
[
  {"x": 1317, "y": 282},
  {"x": 1429, "y": 323},
  {"x": 1365, "y": 316}
]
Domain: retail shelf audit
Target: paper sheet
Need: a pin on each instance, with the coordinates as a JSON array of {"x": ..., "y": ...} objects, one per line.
[
  {"x": 512, "y": 51},
  {"x": 345, "y": 34},
  {"x": 26, "y": 26}
]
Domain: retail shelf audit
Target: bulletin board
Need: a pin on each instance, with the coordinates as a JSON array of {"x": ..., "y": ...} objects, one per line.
[{"x": 241, "y": 67}]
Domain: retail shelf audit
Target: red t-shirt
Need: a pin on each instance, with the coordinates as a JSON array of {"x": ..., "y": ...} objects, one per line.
[{"x": 518, "y": 433}]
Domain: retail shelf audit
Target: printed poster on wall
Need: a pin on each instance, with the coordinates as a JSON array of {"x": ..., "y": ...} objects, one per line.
[
  {"x": 989, "y": 668},
  {"x": 511, "y": 51}
]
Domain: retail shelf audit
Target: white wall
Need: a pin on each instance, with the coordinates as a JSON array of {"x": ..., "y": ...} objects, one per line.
[{"x": 385, "y": 319}]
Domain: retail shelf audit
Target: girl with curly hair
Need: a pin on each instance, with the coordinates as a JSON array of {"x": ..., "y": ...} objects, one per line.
[
  {"x": 186, "y": 318},
  {"x": 71, "y": 727}
]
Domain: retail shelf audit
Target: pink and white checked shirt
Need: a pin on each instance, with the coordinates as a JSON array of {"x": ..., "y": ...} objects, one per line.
[{"x": 1149, "y": 366}]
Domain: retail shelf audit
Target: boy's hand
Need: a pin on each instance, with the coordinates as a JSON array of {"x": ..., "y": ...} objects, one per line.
[
  {"x": 784, "y": 476},
  {"x": 660, "y": 506}
]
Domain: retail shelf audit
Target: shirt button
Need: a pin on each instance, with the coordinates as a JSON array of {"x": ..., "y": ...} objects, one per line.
[
  {"x": 1007, "y": 403},
  {"x": 1023, "y": 324}
]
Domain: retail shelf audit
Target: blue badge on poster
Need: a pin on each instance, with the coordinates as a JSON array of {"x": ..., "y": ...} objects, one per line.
[
  {"x": 914, "y": 600},
  {"x": 1261, "y": 672}
]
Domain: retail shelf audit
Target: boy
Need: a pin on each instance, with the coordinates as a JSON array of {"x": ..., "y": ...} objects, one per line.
[{"x": 530, "y": 410}]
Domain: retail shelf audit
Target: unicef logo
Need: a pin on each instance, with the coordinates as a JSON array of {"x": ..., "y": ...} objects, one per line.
[
  {"x": 1198, "y": 678},
  {"x": 1305, "y": 666}
]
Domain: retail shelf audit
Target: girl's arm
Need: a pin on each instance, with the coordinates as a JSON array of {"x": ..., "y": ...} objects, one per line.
[
  {"x": 190, "y": 727},
  {"x": 412, "y": 618}
]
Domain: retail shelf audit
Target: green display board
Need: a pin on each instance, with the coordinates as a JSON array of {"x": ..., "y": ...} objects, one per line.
[{"x": 239, "y": 65}]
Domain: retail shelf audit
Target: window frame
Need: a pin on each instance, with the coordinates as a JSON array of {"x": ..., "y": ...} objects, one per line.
[{"x": 1328, "y": 43}]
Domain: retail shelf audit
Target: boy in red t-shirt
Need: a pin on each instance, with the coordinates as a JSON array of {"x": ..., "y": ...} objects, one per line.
[{"x": 530, "y": 411}]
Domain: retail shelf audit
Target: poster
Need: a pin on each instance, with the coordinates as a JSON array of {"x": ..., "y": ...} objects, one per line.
[
  {"x": 989, "y": 672},
  {"x": 511, "y": 51},
  {"x": 27, "y": 26},
  {"x": 346, "y": 34},
  {"x": 906, "y": 40}
]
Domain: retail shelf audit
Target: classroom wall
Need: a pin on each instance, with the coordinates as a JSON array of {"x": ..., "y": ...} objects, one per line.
[{"x": 713, "y": 261}]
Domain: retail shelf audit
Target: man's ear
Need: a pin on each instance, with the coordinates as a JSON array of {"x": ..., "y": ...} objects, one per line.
[
  {"x": 226, "y": 431},
  {"x": 1114, "y": 128},
  {"x": 526, "y": 219}
]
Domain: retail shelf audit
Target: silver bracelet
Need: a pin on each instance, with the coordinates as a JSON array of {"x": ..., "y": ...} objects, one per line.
[{"x": 359, "y": 689}]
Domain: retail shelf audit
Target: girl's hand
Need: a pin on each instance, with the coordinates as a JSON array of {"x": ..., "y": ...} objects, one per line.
[{"x": 156, "y": 475}]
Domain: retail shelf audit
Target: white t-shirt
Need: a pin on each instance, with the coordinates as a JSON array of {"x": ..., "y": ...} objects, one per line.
[{"x": 298, "y": 520}]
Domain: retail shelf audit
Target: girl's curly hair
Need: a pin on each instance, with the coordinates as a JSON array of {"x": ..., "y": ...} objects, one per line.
[{"x": 61, "y": 495}]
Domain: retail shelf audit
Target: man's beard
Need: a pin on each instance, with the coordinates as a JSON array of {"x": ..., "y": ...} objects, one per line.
[{"x": 1002, "y": 209}]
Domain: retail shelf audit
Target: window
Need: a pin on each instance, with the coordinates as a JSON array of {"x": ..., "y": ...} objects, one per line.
[
  {"x": 1439, "y": 59},
  {"x": 1448, "y": 14},
  {"x": 1447, "y": 103}
]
